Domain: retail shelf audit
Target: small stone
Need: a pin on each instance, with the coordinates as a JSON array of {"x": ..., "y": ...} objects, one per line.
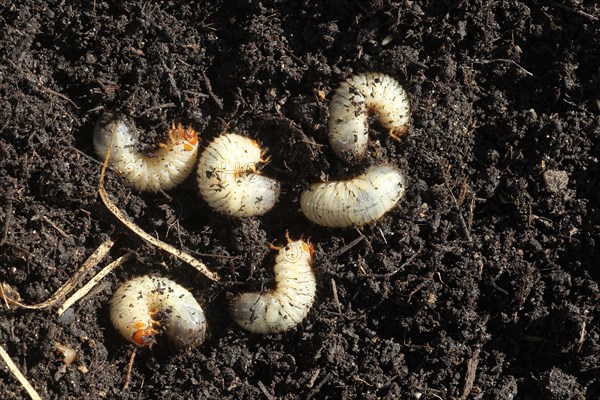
[
  {"x": 69, "y": 354},
  {"x": 556, "y": 181},
  {"x": 67, "y": 317}
]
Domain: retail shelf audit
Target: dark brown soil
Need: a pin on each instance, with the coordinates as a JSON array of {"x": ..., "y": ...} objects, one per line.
[{"x": 483, "y": 284}]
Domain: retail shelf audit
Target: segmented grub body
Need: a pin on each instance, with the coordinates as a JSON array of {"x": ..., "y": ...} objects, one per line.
[
  {"x": 350, "y": 107},
  {"x": 354, "y": 202},
  {"x": 166, "y": 168},
  {"x": 229, "y": 180},
  {"x": 289, "y": 303},
  {"x": 143, "y": 306}
]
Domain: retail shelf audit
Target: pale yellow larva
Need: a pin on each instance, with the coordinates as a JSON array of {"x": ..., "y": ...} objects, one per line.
[
  {"x": 229, "y": 180},
  {"x": 354, "y": 202},
  {"x": 146, "y": 305},
  {"x": 288, "y": 304},
  {"x": 350, "y": 107},
  {"x": 165, "y": 169}
]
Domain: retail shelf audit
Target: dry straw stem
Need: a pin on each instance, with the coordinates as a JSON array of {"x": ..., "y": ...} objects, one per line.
[
  {"x": 93, "y": 282},
  {"x": 3, "y": 295},
  {"x": 90, "y": 263},
  {"x": 15, "y": 371},
  {"x": 140, "y": 232}
]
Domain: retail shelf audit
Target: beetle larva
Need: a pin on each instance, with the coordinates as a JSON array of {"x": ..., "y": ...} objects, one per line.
[
  {"x": 350, "y": 107},
  {"x": 165, "y": 169},
  {"x": 354, "y": 202},
  {"x": 138, "y": 301},
  {"x": 229, "y": 180},
  {"x": 288, "y": 304}
]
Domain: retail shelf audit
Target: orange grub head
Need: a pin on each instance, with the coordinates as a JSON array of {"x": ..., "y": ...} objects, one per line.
[
  {"x": 144, "y": 335},
  {"x": 188, "y": 135},
  {"x": 308, "y": 247}
]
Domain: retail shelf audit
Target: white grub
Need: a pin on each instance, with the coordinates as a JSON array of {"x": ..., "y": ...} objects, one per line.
[
  {"x": 288, "y": 304},
  {"x": 165, "y": 169},
  {"x": 350, "y": 107},
  {"x": 354, "y": 202},
  {"x": 229, "y": 180},
  {"x": 138, "y": 301}
]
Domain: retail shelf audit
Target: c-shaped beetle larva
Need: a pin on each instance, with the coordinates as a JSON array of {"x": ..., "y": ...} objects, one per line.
[
  {"x": 354, "y": 202},
  {"x": 165, "y": 169},
  {"x": 288, "y": 304},
  {"x": 228, "y": 178},
  {"x": 349, "y": 112},
  {"x": 138, "y": 301}
]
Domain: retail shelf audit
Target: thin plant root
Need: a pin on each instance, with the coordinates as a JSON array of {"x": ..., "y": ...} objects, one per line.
[
  {"x": 21, "y": 378},
  {"x": 93, "y": 282},
  {"x": 144, "y": 235},
  {"x": 128, "y": 373},
  {"x": 90, "y": 263}
]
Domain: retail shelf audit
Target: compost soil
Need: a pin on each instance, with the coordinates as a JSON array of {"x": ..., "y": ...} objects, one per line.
[{"x": 481, "y": 284}]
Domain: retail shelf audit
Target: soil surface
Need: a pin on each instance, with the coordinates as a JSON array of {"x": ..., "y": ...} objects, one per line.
[{"x": 481, "y": 284}]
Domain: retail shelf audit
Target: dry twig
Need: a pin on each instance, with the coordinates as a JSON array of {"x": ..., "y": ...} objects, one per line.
[
  {"x": 335, "y": 296},
  {"x": 56, "y": 227},
  {"x": 90, "y": 263},
  {"x": 470, "y": 374},
  {"x": 158, "y": 107},
  {"x": 93, "y": 282},
  {"x": 576, "y": 11},
  {"x": 7, "y": 221},
  {"x": 128, "y": 373},
  {"x": 461, "y": 218},
  {"x": 3, "y": 295},
  {"x": 15, "y": 371},
  {"x": 506, "y": 61},
  {"x": 265, "y": 391},
  {"x": 143, "y": 234},
  {"x": 346, "y": 247}
]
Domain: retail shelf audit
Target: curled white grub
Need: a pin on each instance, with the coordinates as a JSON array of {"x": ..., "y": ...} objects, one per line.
[
  {"x": 354, "y": 202},
  {"x": 165, "y": 169},
  {"x": 288, "y": 304},
  {"x": 350, "y": 107},
  {"x": 229, "y": 180},
  {"x": 144, "y": 306}
]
